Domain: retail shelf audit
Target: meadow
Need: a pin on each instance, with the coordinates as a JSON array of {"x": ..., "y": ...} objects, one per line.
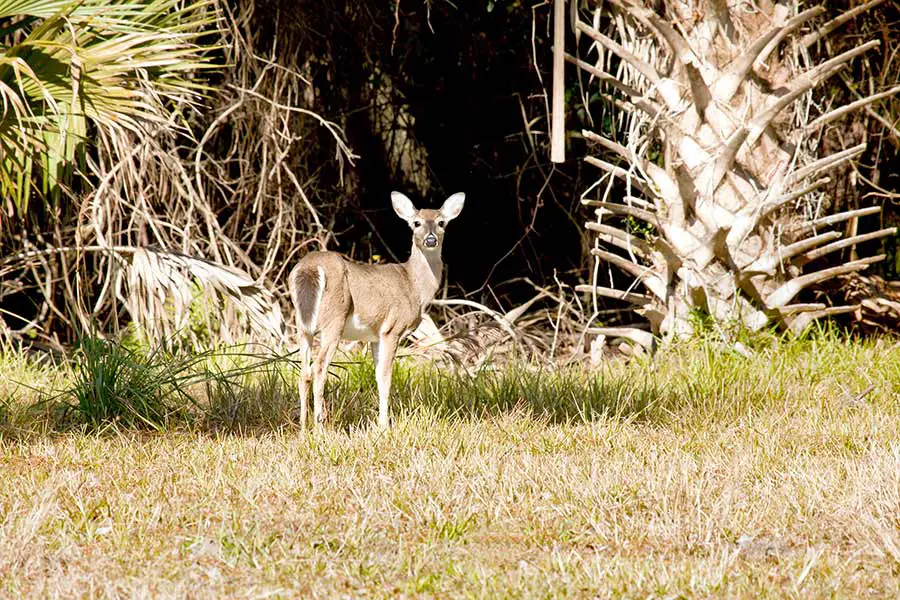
[{"x": 702, "y": 472}]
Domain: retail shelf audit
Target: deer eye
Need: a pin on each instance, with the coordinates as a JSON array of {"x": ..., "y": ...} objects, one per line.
[
  {"x": 441, "y": 223},
  {"x": 417, "y": 223}
]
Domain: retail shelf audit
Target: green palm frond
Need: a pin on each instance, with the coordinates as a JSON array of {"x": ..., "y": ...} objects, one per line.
[{"x": 67, "y": 68}]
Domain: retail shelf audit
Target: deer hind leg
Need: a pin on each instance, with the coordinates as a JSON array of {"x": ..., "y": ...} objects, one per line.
[
  {"x": 328, "y": 343},
  {"x": 384, "y": 363},
  {"x": 305, "y": 351},
  {"x": 307, "y": 288}
]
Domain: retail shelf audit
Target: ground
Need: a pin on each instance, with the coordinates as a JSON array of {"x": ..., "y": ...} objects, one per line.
[{"x": 701, "y": 473}]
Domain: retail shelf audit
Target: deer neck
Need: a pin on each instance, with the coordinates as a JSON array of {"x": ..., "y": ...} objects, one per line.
[{"x": 425, "y": 268}]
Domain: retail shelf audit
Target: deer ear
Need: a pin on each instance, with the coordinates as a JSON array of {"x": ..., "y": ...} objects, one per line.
[
  {"x": 403, "y": 206},
  {"x": 453, "y": 206}
]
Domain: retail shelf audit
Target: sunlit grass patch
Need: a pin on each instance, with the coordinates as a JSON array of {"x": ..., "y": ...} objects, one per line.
[
  {"x": 241, "y": 397},
  {"x": 25, "y": 379},
  {"x": 566, "y": 395},
  {"x": 689, "y": 383}
]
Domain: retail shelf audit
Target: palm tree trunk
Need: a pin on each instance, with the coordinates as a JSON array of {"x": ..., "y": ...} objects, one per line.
[{"x": 725, "y": 224}]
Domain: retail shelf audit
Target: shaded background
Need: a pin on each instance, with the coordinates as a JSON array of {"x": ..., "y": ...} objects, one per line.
[{"x": 466, "y": 73}]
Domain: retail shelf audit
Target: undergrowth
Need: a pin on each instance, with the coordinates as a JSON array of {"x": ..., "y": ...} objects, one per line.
[{"x": 106, "y": 384}]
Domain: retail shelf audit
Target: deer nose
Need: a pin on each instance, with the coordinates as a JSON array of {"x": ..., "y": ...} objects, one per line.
[{"x": 431, "y": 241}]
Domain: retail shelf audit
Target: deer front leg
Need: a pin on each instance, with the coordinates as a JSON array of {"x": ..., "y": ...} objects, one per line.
[{"x": 384, "y": 363}]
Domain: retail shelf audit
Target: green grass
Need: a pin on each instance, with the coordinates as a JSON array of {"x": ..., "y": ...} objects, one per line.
[{"x": 700, "y": 473}]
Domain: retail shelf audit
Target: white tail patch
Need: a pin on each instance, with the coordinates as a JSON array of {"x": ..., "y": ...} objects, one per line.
[{"x": 320, "y": 291}]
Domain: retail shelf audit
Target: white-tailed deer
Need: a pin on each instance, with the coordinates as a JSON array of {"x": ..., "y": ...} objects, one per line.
[{"x": 337, "y": 298}]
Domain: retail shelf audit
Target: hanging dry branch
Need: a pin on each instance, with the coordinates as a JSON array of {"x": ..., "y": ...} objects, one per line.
[{"x": 241, "y": 193}]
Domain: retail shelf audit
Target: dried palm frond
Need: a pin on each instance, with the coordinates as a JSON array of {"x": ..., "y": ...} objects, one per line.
[
  {"x": 170, "y": 296},
  {"x": 158, "y": 287},
  {"x": 877, "y": 300},
  {"x": 474, "y": 335}
]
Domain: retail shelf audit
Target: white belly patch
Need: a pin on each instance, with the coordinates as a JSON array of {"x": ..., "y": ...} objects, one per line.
[{"x": 354, "y": 330}]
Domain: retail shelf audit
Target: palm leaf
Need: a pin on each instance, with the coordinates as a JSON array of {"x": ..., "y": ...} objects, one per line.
[{"x": 65, "y": 65}]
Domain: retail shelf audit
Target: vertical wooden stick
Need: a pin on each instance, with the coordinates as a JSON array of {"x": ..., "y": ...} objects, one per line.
[{"x": 558, "y": 132}]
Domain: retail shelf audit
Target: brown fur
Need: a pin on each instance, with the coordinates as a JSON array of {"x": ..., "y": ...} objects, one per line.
[{"x": 352, "y": 288}]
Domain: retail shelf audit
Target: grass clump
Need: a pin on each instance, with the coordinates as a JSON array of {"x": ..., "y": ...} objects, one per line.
[
  {"x": 242, "y": 396},
  {"x": 114, "y": 384},
  {"x": 108, "y": 384}
]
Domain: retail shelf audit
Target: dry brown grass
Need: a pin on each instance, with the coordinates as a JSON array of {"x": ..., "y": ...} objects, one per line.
[{"x": 703, "y": 494}]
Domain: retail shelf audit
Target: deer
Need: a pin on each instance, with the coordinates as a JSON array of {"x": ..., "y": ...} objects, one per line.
[{"x": 337, "y": 298}]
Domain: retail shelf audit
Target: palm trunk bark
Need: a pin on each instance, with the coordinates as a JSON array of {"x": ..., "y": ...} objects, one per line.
[{"x": 727, "y": 207}]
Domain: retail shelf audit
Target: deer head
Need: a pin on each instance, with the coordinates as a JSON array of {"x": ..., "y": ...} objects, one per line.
[{"x": 428, "y": 225}]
